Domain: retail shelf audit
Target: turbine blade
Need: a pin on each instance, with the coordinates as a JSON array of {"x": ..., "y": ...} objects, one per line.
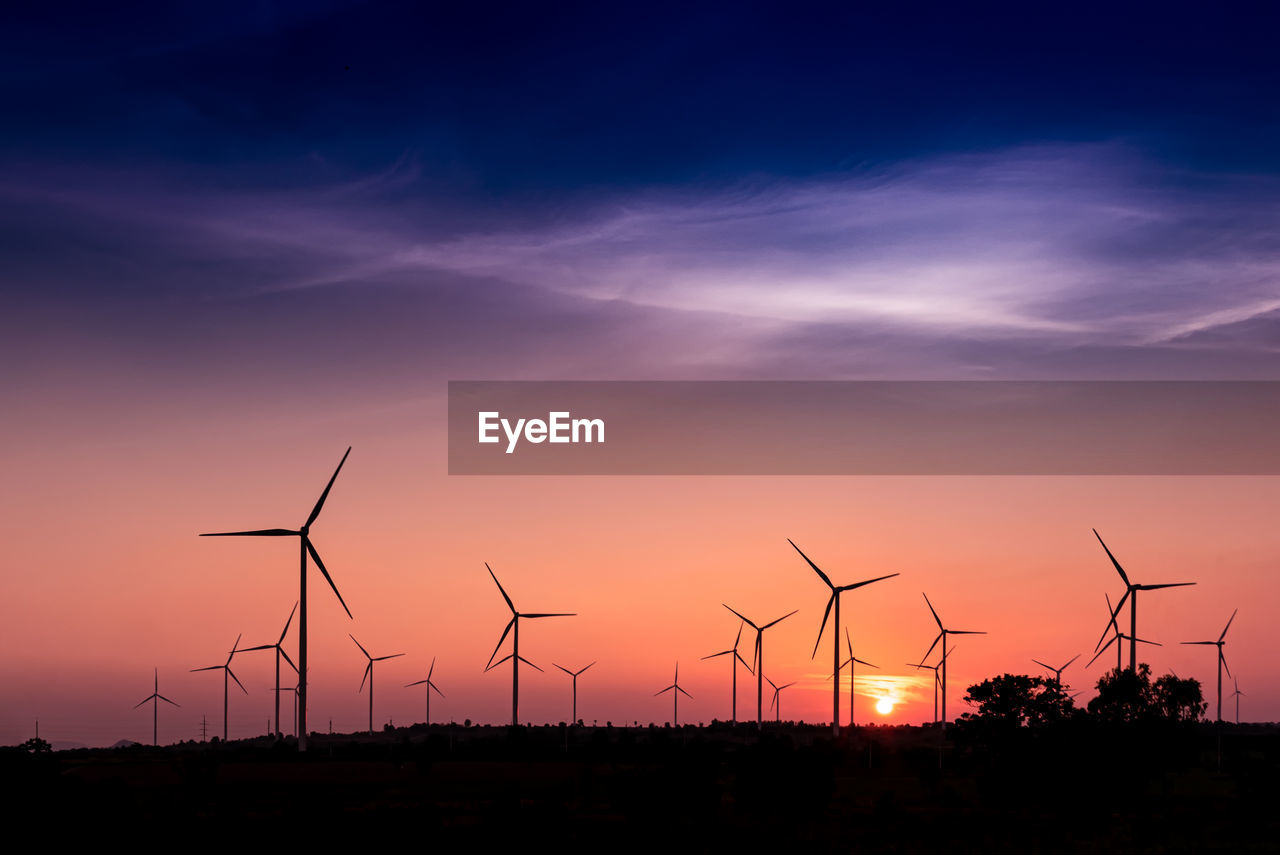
[
  {"x": 510, "y": 604},
  {"x": 510, "y": 624},
  {"x": 966, "y": 632},
  {"x": 143, "y": 701},
  {"x": 1228, "y": 626},
  {"x": 925, "y": 657},
  {"x": 259, "y": 647},
  {"x": 361, "y": 646},
  {"x": 556, "y": 614},
  {"x": 1168, "y": 585},
  {"x": 367, "y": 669},
  {"x": 739, "y": 635},
  {"x": 237, "y": 679},
  {"x": 937, "y": 619},
  {"x": 584, "y": 669},
  {"x": 1144, "y": 641},
  {"x": 315, "y": 556},
  {"x": 1069, "y": 661},
  {"x": 683, "y": 692},
  {"x": 779, "y": 620},
  {"x": 210, "y": 668},
  {"x": 564, "y": 669},
  {"x": 411, "y": 685},
  {"x": 432, "y": 669},
  {"x": 664, "y": 691},
  {"x": 788, "y": 685},
  {"x": 287, "y": 659},
  {"x": 1042, "y": 665},
  {"x": 315, "y": 512},
  {"x": 167, "y": 701},
  {"x": 868, "y": 664},
  {"x": 826, "y": 614},
  {"x": 868, "y": 582},
  {"x": 721, "y": 653},
  {"x": 750, "y": 669},
  {"x": 1223, "y": 657},
  {"x": 739, "y": 614},
  {"x": 499, "y": 662},
  {"x": 285, "y": 631},
  {"x": 848, "y": 642},
  {"x": 392, "y": 656},
  {"x": 431, "y": 685},
  {"x": 263, "y": 532},
  {"x": 235, "y": 648},
  {"x": 1198, "y": 642},
  {"x": 1102, "y": 651},
  {"x": 816, "y": 568},
  {"x": 530, "y": 664},
  {"x": 1119, "y": 569}
]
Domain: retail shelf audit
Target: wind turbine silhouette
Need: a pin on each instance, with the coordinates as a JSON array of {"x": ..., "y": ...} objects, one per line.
[
  {"x": 851, "y": 663},
  {"x": 676, "y": 692},
  {"x": 1057, "y": 672},
  {"x": 227, "y": 672},
  {"x": 834, "y": 600},
  {"x": 305, "y": 547},
  {"x": 736, "y": 658},
  {"x": 1222, "y": 658},
  {"x": 1117, "y": 639},
  {"x": 777, "y": 699},
  {"x": 514, "y": 656},
  {"x": 758, "y": 658},
  {"x": 937, "y": 680},
  {"x": 278, "y": 647},
  {"x": 574, "y": 675},
  {"x": 156, "y": 697},
  {"x": 1131, "y": 594},
  {"x": 1236, "y": 694},
  {"x": 430, "y": 685},
  {"x": 368, "y": 675},
  {"x": 942, "y": 636}
]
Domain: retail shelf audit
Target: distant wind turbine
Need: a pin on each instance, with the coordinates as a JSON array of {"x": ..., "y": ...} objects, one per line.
[
  {"x": 1118, "y": 638},
  {"x": 937, "y": 680},
  {"x": 514, "y": 655},
  {"x": 776, "y": 703},
  {"x": 736, "y": 658},
  {"x": 758, "y": 658},
  {"x": 1057, "y": 672},
  {"x": 304, "y": 544},
  {"x": 852, "y": 668},
  {"x": 225, "y": 668},
  {"x": 368, "y": 674},
  {"x": 1222, "y": 658},
  {"x": 942, "y": 636},
  {"x": 156, "y": 697},
  {"x": 430, "y": 685},
  {"x": 278, "y": 647},
  {"x": 833, "y": 600},
  {"x": 574, "y": 675},
  {"x": 1236, "y": 694},
  {"x": 1131, "y": 593},
  {"x": 676, "y": 692}
]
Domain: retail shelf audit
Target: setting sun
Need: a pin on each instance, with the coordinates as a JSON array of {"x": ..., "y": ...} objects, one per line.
[{"x": 884, "y": 706}]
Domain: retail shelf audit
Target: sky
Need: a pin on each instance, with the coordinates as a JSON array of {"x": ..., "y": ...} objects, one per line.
[{"x": 236, "y": 240}]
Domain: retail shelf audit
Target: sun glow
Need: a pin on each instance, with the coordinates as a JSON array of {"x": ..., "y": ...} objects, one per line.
[{"x": 884, "y": 706}]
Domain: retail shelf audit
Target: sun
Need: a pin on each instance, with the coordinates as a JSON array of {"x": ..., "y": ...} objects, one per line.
[{"x": 884, "y": 706}]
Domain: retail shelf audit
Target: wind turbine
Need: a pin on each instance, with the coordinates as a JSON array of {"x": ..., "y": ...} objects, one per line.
[
  {"x": 758, "y": 658},
  {"x": 514, "y": 655},
  {"x": 225, "y": 668},
  {"x": 305, "y": 548},
  {"x": 937, "y": 681},
  {"x": 1057, "y": 672},
  {"x": 574, "y": 675},
  {"x": 430, "y": 685},
  {"x": 733, "y": 651},
  {"x": 1117, "y": 639},
  {"x": 836, "y": 591},
  {"x": 850, "y": 662},
  {"x": 368, "y": 675},
  {"x": 278, "y": 647},
  {"x": 1131, "y": 593},
  {"x": 156, "y": 697},
  {"x": 942, "y": 636},
  {"x": 1222, "y": 658},
  {"x": 777, "y": 699},
  {"x": 1236, "y": 694},
  {"x": 676, "y": 692}
]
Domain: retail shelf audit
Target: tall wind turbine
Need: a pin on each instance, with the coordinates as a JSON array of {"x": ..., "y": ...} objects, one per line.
[
  {"x": 942, "y": 636},
  {"x": 758, "y": 658},
  {"x": 1117, "y": 638},
  {"x": 1222, "y": 658},
  {"x": 1131, "y": 593},
  {"x": 305, "y": 548},
  {"x": 368, "y": 674},
  {"x": 736, "y": 658},
  {"x": 852, "y": 667},
  {"x": 430, "y": 685},
  {"x": 1236, "y": 694},
  {"x": 574, "y": 675},
  {"x": 278, "y": 647},
  {"x": 225, "y": 668},
  {"x": 514, "y": 656},
  {"x": 156, "y": 697},
  {"x": 676, "y": 692},
  {"x": 1057, "y": 672},
  {"x": 776, "y": 703},
  {"x": 834, "y": 600}
]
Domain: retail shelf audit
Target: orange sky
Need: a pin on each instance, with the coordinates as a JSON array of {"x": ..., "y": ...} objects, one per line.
[{"x": 109, "y": 578}]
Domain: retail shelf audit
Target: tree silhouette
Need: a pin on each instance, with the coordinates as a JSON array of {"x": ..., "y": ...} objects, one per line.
[
  {"x": 1018, "y": 700},
  {"x": 1125, "y": 695}
]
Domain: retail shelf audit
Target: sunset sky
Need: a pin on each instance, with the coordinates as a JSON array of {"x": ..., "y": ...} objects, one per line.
[{"x": 236, "y": 240}]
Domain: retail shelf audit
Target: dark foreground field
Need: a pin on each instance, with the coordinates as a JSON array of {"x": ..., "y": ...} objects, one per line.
[{"x": 704, "y": 788}]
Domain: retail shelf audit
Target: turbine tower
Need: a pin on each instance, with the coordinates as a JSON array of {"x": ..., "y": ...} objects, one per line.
[
  {"x": 514, "y": 655},
  {"x": 574, "y": 675},
  {"x": 758, "y": 658},
  {"x": 777, "y": 699},
  {"x": 851, "y": 663},
  {"x": 937, "y": 681},
  {"x": 736, "y": 658},
  {"x": 225, "y": 668},
  {"x": 1236, "y": 694},
  {"x": 676, "y": 692},
  {"x": 278, "y": 647},
  {"x": 833, "y": 600},
  {"x": 156, "y": 697},
  {"x": 1118, "y": 638},
  {"x": 305, "y": 548},
  {"x": 1222, "y": 658},
  {"x": 368, "y": 675},
  {"x": 1131, "y": 593},
  {"x": 942, "y": 636},
  {"x": 430, "y": 685}
]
